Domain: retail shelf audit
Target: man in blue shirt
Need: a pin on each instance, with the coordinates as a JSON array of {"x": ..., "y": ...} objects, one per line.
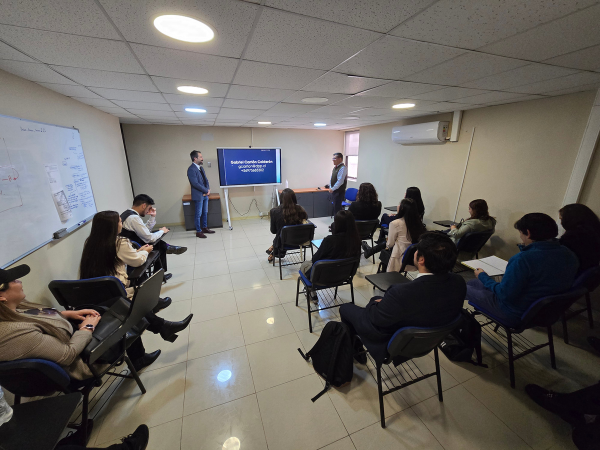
[
  {"x": 542, "y": 268},
  {"x": 200, "y": 192}
]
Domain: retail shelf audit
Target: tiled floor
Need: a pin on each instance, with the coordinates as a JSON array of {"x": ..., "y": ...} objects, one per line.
[{"x": 235, "y": 380}]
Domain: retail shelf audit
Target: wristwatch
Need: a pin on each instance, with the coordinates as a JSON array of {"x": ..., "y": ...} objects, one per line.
[{"x": 89, "y": 326}]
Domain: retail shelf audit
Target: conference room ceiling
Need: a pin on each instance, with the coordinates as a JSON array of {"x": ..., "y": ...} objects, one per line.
[{"x": 268, "y": 55}]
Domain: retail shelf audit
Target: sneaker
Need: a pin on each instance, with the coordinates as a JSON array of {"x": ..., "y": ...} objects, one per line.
[{"x": 139, "y": 439}]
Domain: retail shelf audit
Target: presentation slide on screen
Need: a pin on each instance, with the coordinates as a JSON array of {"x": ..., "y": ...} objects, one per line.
[{"x": 249, "y": 166}]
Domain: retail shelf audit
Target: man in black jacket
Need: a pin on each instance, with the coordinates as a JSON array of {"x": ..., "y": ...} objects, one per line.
[{"x": 433, "y": 299}]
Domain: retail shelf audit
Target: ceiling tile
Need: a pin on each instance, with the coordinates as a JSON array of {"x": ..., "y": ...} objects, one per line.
[
  {"x": 188, "y": 65},
  {"x": 33, "y": 71},
  {"x": 472, "y": 24},
  {"x": 81, "y": 17},
  {"x": 122, "y": 94},
  {"x": 516, "y": 100},
  {"x": 189, "y": 100},
  {"x": 284, "y": 38},
  {"x": 382, "y": 15},
  {"x": 451, "y": 93},
  {"x": 251, "y": 73},
  {"x": 198, "y": 116},
  {"x": 467, "y": 67},
  {"x": 572, "y": 90},
  {"x": 586, "y": 59},
  {"x": 331, "y": 98},
  {"x": 115, "y": 111},
  {"x": 570, "y": 81},
  {"x": 169, "y": 86},
  {"x": 266, "y": 118},
  {"x": 7, "y": 52},
  {"x": 258, "y": 93},
  {"x": 491, "y": 97},
  {"x": 197, "y": 122},
  {"x": 520, "y": 76},
  {"x": 103, "y": 78},
  {"x": 128, "y": 104},
  {"x": 343, "y": 84},
  {"x": 379, "y": 102},
  {"x": 134, "y": 121},
  {"x": 71, "y": 90},
  {"x": 573, "y": 32},
  {"x": 395, "y": 58},
  {"x": 68, "y": 50},
  {"x": 94, "y": 101},
  {"x": 233, "y": 113},
  {"x": 231, "y": 20},
  {"x": 400, "y": 89},
  {"x": 181, "y": 109},
  {"x": 247, "y": 104},
  {"x": 291, "y": 109},
  {"x": 152, "y": 113}
]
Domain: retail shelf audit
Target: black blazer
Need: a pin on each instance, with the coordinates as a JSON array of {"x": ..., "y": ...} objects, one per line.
[
  {"x": 277, "y": 222},
  {"x": 365, "y": 211},
  {"x": 333, "y": 247},
  {"x": 586, "y": 246}
]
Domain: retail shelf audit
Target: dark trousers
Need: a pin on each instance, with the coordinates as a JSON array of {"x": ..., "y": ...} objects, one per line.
[
  {"x": 583, "y": 401},
  {"x": 161, "y": 262},
  {"x": 386, "y": 219},
  {"x": 337, "y": 197},
  {"x": 136, "y": 350},
  {"x": 480, "y": 296}
]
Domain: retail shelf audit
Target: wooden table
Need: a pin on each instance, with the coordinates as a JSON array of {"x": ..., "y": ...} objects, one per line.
[{"x": 215, "y": 216}]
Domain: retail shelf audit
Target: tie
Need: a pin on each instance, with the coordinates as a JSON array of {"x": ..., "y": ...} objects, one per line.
[{"x": 203, "y": 176}]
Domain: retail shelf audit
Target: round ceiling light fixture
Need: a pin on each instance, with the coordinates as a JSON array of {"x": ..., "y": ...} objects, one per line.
[
  {"x": 184, "y": 28},
  {"x": 314, "y": 100},
  {"x": 403, "y": 105},
  {"x": 320, "y": 124},
  {"x": 192, "y": 90},
  {"x": 195, "y": 110}
]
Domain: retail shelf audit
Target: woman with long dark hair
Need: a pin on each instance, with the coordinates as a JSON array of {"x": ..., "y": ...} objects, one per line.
[
  {"x": 105, "y": 253},
  {"x": 413, "y": 193},
  {"x": 287, "y": 213},
  {"x": 479, "y": 220},
  {"x": 582, "y": 234},
  {"x": 367, "y": 205}
]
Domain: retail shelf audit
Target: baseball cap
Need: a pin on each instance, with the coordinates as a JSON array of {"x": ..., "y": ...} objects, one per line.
[{"x": 8, "y": 275}]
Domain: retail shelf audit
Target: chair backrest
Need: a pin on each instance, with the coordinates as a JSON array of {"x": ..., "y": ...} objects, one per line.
[
  {"x": 351, "y": 194},
  {"x": 414, "y": 342},
  {"x": 473, "y": 242},
  {"x": 408, "y": 257},
  {"x": 101, "y": 291},
  {"x": 33, "y": 377},
  {"x": 548, "y": 310},
  {"x": 366, "y": 228},
  {"x": 590, "y": 279},
  {"x": 333, "y": 272},
  {"x": 296, "y": 235}
]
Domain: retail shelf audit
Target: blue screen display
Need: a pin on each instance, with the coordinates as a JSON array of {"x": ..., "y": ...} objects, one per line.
[{"x": 249, "y": 166}]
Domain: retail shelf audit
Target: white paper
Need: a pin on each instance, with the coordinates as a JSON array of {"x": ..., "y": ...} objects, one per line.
[
  {"x": 492, "y": 265},
  {"x": 58, "y": 192}
]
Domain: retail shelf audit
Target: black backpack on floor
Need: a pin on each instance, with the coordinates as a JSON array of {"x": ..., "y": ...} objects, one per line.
[
  {"x": 459, "y": 345},
  {"x": 332, "y": 356}
]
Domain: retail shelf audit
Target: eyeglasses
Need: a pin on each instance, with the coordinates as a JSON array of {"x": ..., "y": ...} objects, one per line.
[{"x": 42, "y": 312}]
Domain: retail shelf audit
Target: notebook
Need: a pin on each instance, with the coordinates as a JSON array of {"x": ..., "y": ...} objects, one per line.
[{"x": 492, "y": 265}]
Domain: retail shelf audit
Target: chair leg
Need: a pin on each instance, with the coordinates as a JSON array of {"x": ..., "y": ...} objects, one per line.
[
  {"x": 373, "y": 245},
  {"x": 511, "y": 362},
  {"x": 297, "y": 290},
  {"x": 565, "y": 331},
  {"x": 588, "y": 302},
  {"x": 308, "y": 308},
  {"x": 379, "y": 390},
  {"x": 84, "y": 417},
  {"x": 438, "y": 374},
  {"x": 134, "y": 374},
  {"x": 280, "y": 274},
  {"x": 335, "y": 293},
  {"x": 551, "y": 345},
  {"x": 352, "y": 292},
  {"x": 312, "y": 253}
]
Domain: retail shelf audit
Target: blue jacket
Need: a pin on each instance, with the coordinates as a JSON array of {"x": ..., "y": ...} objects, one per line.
[
  {"x": 197, "y": 183},
  {"x": 540, "y": 269}
]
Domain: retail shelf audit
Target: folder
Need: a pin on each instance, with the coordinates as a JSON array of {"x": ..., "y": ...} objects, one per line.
[{"x": 492, "y": 265}]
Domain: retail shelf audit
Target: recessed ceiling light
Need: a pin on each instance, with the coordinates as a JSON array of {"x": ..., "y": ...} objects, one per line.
[
  {"x": 320, "y": 124},
  {"x": 264, "y": 123},
  {"x": 403, "y": 105},
  {"x": 184, "y": 28},
  {"x": 350, "y": 118},
  {"x": 195, "y": 110},
  {"x": 314, "y": 100},
  {"x": 192, "y": 90}
]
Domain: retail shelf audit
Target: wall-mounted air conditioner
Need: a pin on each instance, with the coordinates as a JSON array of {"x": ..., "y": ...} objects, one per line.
[{"x": 421, "y": 133}]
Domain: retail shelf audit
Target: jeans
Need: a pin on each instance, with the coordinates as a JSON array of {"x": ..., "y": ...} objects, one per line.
[
  {"x": 201, "y": 213},
  {"x": 486, "y": 299}
]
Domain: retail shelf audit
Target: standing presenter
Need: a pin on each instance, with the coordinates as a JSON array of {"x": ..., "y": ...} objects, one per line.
[
  {"x": 338, "y": 182},
  {"x": 200, "y": 193}
]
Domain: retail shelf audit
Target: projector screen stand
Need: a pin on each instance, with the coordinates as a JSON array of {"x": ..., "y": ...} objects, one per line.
[
  {"x": 276, "y": 194},
  {"x": 227, "y": 207}
]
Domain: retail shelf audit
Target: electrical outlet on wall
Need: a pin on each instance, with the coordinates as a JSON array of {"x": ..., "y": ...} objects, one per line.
[{"x": 208, "y": 163}]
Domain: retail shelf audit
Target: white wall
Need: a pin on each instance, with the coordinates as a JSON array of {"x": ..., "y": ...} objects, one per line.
[
  {"x": 159, "y": 158},
  {"x": 107, "y": 168}
]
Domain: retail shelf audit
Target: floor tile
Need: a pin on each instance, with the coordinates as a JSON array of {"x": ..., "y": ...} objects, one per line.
[
  {"x": 171, "y": 352},
  {"x": 185, "y": 259},
  {"x": 177, "y": 290},
  {"x": 162, "y": 437},
  {"x": 250, "y": 279},
  {"x": 213, "y": 336},
  {"x": 211, "y": 269},
  {"x": 292, "y": 421},
  {"x": 234, "y": 425},
  {"x": 287, "y": 272},
  {"x": 239, "y": 253},
  {"x": 176, "y": 311},
  {"x": 342, "y": 444},
  {"x": 277, "y": 361},
  {"x": 298, "y": 315},
  {"x": 208, "y": 245},
  {"x": 217, "y": 379},
  {"x": 183, "y": 242},
  {"x": 308, "y": 339},
  {"x": 265, "y": 324},
  {"x": 244, "y": 265},
  {"x": 286, "y": 290},
  {"x": 255, "y": 298},
  {"x": 210, "y": 257},
  {"x": 213, "y": 306},
  {"x": 261, "y": 240},
  {"x": 462, "y": 422},
  {"x": 403, "y": 431},
  {"x": 182, "y": 273},
  {"x": 236, "y": 243},
  {"x": 212, "y": 285}
]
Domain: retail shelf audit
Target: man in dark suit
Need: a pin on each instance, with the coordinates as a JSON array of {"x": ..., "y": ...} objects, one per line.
[
  {"x": 200, "y": 193},
  {"x": 433, "y": 299}
]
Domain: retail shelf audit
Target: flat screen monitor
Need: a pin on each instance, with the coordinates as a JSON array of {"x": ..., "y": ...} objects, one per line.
[{"x": 249, "y": 166}]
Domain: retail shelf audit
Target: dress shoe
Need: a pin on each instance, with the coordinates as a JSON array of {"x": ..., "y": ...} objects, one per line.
[
  {"x": 594, "y": 342},
  {"x": 200, "y": 234},
  {"x": 368, "y": 250},
  {"x": 207, "y": 231},
  {"x": 162, "y": 304},
  {"x": 145, "y": 360},
  {"x": 552, "y": 401},
  {"x": 175, "y": 250},
  {"x": 169, "y": 329},
  {"x": 167, "y": 277},
  {"x": 139, "y": 439}
]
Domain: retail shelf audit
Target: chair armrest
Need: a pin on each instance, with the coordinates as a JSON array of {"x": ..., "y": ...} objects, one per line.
[{"x": 139, "y": 271}]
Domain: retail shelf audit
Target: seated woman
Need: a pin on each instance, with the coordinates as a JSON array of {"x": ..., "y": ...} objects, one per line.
[
  {"x": 413, "y": 193},
  {"x": 105, "y": 253},
  {"x": 403, "y": 232},
  {"x": 582, "y": 234},
  {"x": 287, "y": 213},
  {"x": 33, "y": 331},
  {"x": 343, "y": 243},
  {"x": 367, "y": 206},
  {"x": 479, "y": 220}
]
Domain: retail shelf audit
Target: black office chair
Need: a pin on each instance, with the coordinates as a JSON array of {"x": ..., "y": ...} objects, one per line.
[
  {"x": 407, "y": 343},
  {"x": 542, "y": 313},
  {"x": 327, "y": 274},
  {"x": 366, "y": 230},
  {"x": 471, "y": 243},
  {"x": 385, "y": 280},
  {"x": 590, "y": 280},
  {"x": 294, "y": 237},
  {"x": 137, "y": 275},
  {"x": 88, "y": 293}
]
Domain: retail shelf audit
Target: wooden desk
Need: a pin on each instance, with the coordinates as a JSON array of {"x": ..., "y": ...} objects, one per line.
[
  {"x": 215, "y": 216},
  {"x": 316, "y": 202}
]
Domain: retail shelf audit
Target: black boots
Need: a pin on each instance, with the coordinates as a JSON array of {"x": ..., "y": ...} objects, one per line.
[
  {"x": 145, "y": 360},
  {"x": 169, "y": 330}
]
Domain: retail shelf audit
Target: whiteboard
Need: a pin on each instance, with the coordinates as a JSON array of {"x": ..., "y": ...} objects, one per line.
[{"x": 44, "y": 185}]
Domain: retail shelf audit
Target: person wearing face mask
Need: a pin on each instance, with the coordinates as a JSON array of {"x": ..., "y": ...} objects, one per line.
[
  {"x": 582, "y": 234},
  {"x": 543, "y": 267}
]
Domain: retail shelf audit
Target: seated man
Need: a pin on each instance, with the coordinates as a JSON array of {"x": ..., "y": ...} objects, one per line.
[
  {"x": 433, "y": 299},
  {"x": 136, "y": 230},
  {"x": 542, "y": 268}
]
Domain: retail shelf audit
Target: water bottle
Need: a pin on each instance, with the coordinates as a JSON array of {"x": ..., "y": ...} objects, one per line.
[{"x": 6, "y": 412}]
